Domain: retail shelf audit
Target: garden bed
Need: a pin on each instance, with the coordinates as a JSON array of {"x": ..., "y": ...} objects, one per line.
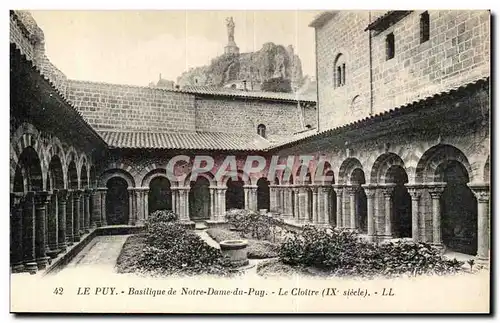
[
  {"x": 168, "y": 248},
  {"x": 257, "y": 249}
]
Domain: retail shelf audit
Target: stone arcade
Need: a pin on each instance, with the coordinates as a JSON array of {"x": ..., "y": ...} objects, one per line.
[{"x": 401, "y": 121}]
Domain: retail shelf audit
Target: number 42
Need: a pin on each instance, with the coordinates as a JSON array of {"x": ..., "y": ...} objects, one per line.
[{"x": 58, "y": 291}]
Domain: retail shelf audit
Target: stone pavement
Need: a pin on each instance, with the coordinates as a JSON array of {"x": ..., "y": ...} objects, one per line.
[{"x": 102, "y": 251}]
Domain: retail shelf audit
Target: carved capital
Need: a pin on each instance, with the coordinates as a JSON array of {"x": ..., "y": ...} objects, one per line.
[
  {"x": 436, "y": 189},
  {"x": 339, "y": 189},
  {"x": 387, "y": 190},
  {"x": 415, "y": 191},
  {"x": 351, "y": 190},
  {"x": 41, "y": 198},
  {"x": 17, "y": 198},
  {"x": 370, "y": 190},
  {"x": 63, "y": 195},
  {"x": 481, "y": 191}
]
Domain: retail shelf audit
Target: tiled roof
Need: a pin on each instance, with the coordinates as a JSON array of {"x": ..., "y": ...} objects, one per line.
[
  {"x": 15, "y": 51},
  {"x": 280, "y": 96},
  {"x": 387, "y": 19},
  {"x": 320, "y": 19},
  {"x": 184, "y": 140},
  {"x": 412, "y": 106}
]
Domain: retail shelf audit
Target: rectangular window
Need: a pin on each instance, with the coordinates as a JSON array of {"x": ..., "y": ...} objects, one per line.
[
  {"x": 389, "y": 46},
  {"x": 424, "y": 27}
]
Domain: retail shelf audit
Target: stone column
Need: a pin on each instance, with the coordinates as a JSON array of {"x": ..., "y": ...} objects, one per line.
[
  {"x": 387, "y": 190},
  {"x": 351, "y": 191},
  {"x": 96, "y": 208},
  {"x": 214, "y": 203},
  {"x": 296, "y": 202},
  {"x": 435, "y": 190},
  {"x": 323, "y": 205},
  {"x": 273, "y": 199},
  {"x": 142, "y": 200},
  {"x": 302, "y": 215},
  {"x": 29, "y": 255},
  {"x": 175, "y": 198},
  {"x": 415, "y": 192},
  {"x": 370, "y": 191},
  {"x": 86, "y": 210},
  {"x": 222, "y": 203},
  {"x": 52, "y": 225},
  {"x": 339, "y": 191},
  {"x": 315, "y": 204},
  {"x": 132, "y": 215},
  {"x": 482, "y": 193},
  {"x": 250, "y": 197},
  {"x": 41, "y": 200},
  {"x": 102, "y": 205},
  {"x": 76, "y": 215},
  {"x": 183, "y": 204},
  {"x": 288, "y": 201},
  {"x": 62, "y": 195},
  {"x": 16, "y": 232},
  {"x": 82, "y": 213},
  {"x": 70, "y": 218}
]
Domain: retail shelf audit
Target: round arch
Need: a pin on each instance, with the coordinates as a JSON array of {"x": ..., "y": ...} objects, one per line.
[
  {"x": 347, "y": 168},
  {"x": 108, "y": 174},
  {"x": 380, "y": 169},
  {"x": 429, "y": 166}
]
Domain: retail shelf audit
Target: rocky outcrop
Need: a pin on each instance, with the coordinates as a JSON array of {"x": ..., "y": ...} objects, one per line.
[{"x": 271, "y": 62}]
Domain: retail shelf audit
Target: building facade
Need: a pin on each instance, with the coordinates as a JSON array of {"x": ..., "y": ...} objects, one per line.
[{"x": 400, "y": 128}]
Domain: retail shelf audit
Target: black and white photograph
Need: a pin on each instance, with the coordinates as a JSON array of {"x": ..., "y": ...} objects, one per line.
[{"x": 250, "y": 161}]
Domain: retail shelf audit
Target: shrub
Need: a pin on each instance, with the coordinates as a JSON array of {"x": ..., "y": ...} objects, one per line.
[
  {"x": 254, "y": 225},
  {"x": 162, "y": 216},
  {"x": 172, "y": 249},
  {"x": 342, "y": 252}
]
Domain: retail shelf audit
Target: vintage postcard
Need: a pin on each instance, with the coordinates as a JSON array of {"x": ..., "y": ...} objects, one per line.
[{"x": 250, "y": 161}]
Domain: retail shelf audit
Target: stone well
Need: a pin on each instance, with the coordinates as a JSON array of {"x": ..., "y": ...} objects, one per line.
[{"x": 236, "y": 251}]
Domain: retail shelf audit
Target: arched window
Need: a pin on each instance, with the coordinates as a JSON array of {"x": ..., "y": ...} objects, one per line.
[
  {"x": 339, "y": 71},
  {"x": 261, "y": 130}
]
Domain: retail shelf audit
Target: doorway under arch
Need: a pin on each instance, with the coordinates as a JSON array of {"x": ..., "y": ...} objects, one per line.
[
  {"x": 159, "y": 195},
  {"x": 401, "y": 202},
  {"x": 199, "y": 199},
  {"x": 235, "y": 194},
  {"x": 263, "y": 194},
  {"x": 458, "y": 209},
  {"x": 117, "y": 201}
]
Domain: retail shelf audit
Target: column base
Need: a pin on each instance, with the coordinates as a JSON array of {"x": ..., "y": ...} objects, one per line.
[
  {"x": 76, "y": 238},
  {"x": 31, "y": 267},
  {"x": 42, "y": 262},
  {"x": 188, "y": 224},
  {"x": 439, "y": 246},
  {"x": 52, "y": 253},
  {"x": 17, "y": 268},
  {"x": 63, "y": 246},
  {"x": 86, "y": 230},
  {"x": 98, "y": 224},
  {"x": 481, "y": 261}
]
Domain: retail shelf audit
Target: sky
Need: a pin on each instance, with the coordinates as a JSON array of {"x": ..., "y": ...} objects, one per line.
[{"x": 135, "y": 47}]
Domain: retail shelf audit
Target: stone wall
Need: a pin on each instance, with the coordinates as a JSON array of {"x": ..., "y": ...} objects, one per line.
[
  {"x": 343, "y": 35},
  {"x": 122, "y": 107},
  {"x": 239, "y": 115},
  {"x": 456, "y": 53}
]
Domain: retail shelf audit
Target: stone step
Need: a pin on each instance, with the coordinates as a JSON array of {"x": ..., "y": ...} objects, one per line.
[{"x": 200, "y": 226}]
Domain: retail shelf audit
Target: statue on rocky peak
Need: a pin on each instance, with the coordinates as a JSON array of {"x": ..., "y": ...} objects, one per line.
[{"x": 230, "y": 29}]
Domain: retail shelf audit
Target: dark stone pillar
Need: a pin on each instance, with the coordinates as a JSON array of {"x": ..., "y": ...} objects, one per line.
[
  {"x": 61, "y": 237},
  {"x": 29, "y": 233},
  {"x": 81, "y": 215},
  {"x": 76, "y": 215},
  {"x": 41, "y": 200},
  {"x": 86, "y": 210},
  {"x": 16, "y": 232},
  {"x": 96, "y": 208},
  {"x": 70, "y": 218},
  {"x": 53, "y": 226}
]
